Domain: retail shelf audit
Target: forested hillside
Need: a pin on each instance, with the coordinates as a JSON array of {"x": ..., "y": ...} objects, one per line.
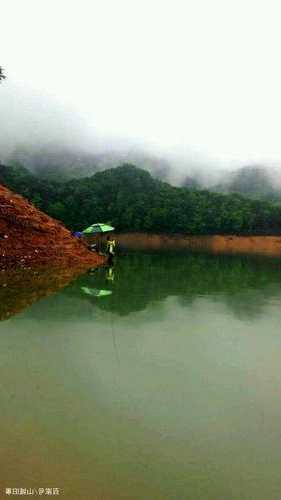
[
  {"x": 64, "y": 163},
  {"x": 132, "y": 200},
  {"x": 253, "y": 182}
]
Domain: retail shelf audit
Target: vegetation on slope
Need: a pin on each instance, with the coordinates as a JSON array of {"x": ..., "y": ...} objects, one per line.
[
  {"x": 253, "y": 182},
  {"x": 2, "y": 74},
  {"x": 132, "y": 200}
]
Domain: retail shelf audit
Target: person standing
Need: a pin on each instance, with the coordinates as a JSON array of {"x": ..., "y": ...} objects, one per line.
[{"x": 110, "y": 248}]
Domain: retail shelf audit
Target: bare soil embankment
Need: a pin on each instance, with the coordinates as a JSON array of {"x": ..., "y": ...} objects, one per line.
[
  {"x": 29, "y": 238},
  {"x": 217, "y": 244}
]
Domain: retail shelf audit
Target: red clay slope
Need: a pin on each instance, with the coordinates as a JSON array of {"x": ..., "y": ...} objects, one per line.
[{"x": 29, "y": 237}]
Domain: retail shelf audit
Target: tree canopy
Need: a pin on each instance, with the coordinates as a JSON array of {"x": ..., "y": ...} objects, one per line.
[
  {"x": 130, "y": 199},
  {"x": 2, "y": 74}
]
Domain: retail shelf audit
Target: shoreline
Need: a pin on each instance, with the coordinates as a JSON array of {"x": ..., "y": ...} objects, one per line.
[{"x": 215, "y": 244}]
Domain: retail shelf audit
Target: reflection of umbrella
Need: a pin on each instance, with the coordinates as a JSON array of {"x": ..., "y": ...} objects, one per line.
[
  {"x": 98, "y": 228},
  {"x": 95, "y": 292}
]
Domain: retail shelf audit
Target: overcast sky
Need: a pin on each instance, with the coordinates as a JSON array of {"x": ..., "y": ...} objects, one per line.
[{"x": 199, "y": 78}]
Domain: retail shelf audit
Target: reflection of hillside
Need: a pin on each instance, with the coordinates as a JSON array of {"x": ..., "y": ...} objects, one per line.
[
  {"x": 20, "y": 288},
  {"x": 244, "y": 284}
]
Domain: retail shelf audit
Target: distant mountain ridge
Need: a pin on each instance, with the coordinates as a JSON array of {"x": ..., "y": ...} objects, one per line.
[
  {"x": 252, "y": 181},
  {"x": 64, "y": 164},
  {"x": 132, "y": 200},
  {"x": 61, "y": 164}
]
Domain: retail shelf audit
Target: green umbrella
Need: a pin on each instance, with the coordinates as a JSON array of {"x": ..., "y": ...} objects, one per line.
[
  {"x": 95, "y": 292},
  {"x": 98, "y": 228}
]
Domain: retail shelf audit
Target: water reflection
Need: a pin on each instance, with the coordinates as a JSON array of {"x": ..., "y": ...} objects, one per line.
[
  {"x": 244, "y": 284},
  {"x": 20, "y": 288},
  {"x": 168, "y": 387},
  {"x": 94, "y": 292}
]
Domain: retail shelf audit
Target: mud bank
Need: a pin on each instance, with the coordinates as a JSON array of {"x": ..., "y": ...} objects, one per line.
[
  {"x": 29, "y": 238},
  {"x": 217, "y": 244}
]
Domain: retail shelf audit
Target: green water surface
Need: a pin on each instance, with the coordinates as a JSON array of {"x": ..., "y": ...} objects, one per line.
[{"x": 167, "y": 388}]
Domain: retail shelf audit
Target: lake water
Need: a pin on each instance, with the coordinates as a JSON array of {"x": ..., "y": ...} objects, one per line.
[{"x": 158, "y": 379}]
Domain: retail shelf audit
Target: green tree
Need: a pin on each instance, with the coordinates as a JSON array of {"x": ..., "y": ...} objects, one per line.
[
  {"x": 2, "y": 74},
  {"x": 132, "y": 200}
]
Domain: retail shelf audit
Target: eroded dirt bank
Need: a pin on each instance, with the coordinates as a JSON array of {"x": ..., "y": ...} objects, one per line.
[
  {"x": 29, "y": 238},
  {"x": 217, "y": 244}
]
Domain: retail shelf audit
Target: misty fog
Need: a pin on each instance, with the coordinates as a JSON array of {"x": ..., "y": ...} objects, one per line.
[
  {"x": 39, "y": 132},
  {"x": 183, "y": 89}
]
